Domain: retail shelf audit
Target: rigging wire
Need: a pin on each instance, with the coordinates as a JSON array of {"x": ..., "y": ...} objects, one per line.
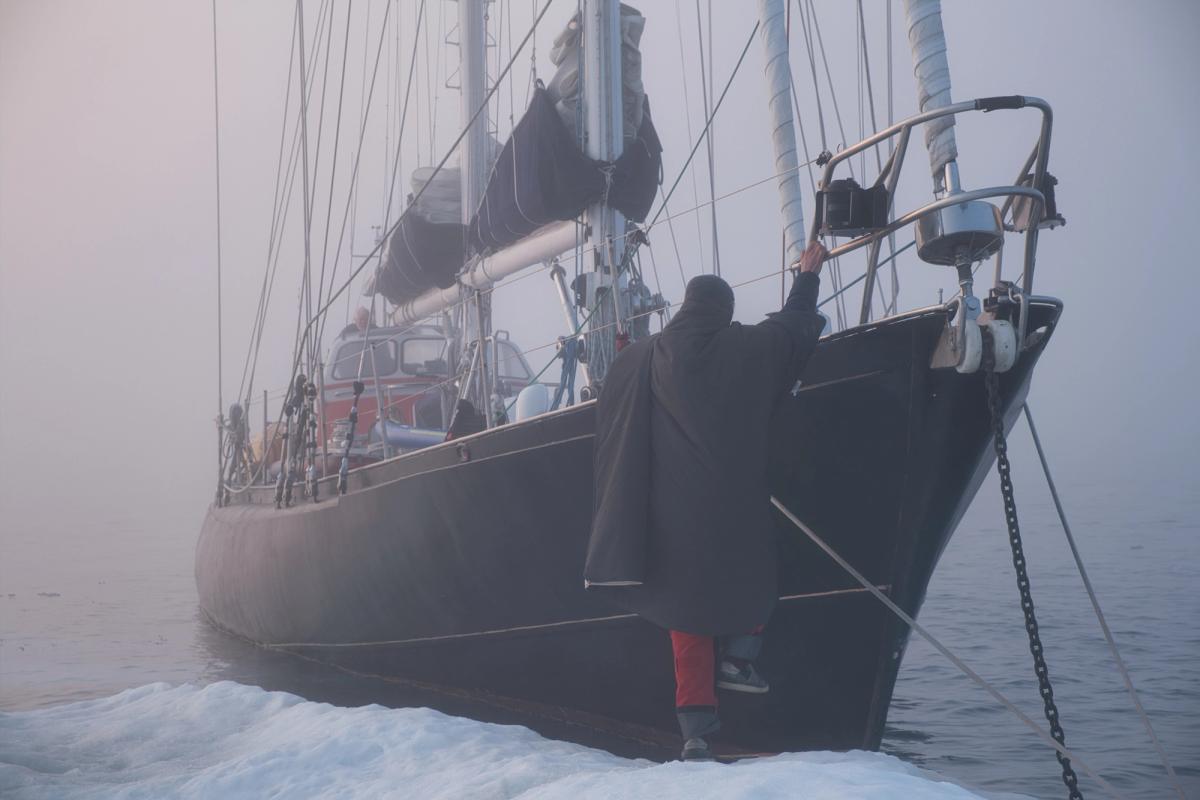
[
  {"x": 352, "y": 195},
  {"x": 275, "y": 205},
  {"x": 705, "y": 93},
  {"x": 816, "y": 25},
  {"x": 352, "y": 199},
  {"x": 835, "y": 271},
  {"x": 1091, "y": 593},
  {"x": 866, "y": 73},
  {"x": 891, "y": 149},
  {"x": 800, "y": 117},
  {"x": 337, "y": 138},
  {"x": 674, "y": 241},
  {"x": 738, "y": 285},
  {"x": 941, "y": 648},
  {"x": 434, "y": 79},
  {"x": 278, "y": 219},
  {"x": 705, "y": 132},
  {"x": 533, "y": 73},
  {"x": 395, "y": 336},
  {"x": 255, "y": 328},
  {"x": 858, "y": 69},
  {"x": 805, "y": 29},
  {"x": 589, "y": 248},
  {"x": 321, "y": 109},
  {"x": 625, "y": 262},
  {"x": 687, "y": 106},
  {"x": 800, "y": 121},
  {"x": 592, "y": 247},
  {"x": 217, "y": 164},
  {"x": 310, "y": 193},
  {"x": 273, "y": 258},
  {"x": 274, "y": 250},
  {"x": 281, "y": 212},
  {"x": 632, "y": 232},
  {"x": 659, "y": 215},
  {"x": 449, "y": 153},
  {"x": 512, "y": 102},
  {"x": 306, "y": 283},
  {"x": 387, "y": 213}
]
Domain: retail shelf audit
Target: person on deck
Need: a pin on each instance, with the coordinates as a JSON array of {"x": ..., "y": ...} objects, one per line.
[
  {"x": 361, "y": 324},
  {"x": 682, "y": 532}
]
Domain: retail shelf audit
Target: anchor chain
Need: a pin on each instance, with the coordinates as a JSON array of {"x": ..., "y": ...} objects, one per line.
[{"x": 992, "y": 382}]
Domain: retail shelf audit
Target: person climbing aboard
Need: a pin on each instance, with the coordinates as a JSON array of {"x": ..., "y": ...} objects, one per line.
[{"x": 682, "y": 532}]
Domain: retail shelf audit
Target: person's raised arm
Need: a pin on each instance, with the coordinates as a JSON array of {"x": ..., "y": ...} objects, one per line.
[
  {"x": 807, "y": 282},
  {"x": 793, "y": 331}
]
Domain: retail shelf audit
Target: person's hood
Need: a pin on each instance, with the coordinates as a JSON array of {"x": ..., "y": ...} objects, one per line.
[{"x": 707, "y": 306}]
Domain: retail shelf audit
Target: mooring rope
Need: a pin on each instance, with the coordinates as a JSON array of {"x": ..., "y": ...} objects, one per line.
[
  {"x": 941, "y": 648},
  {"x": 1087, "y": 584}
]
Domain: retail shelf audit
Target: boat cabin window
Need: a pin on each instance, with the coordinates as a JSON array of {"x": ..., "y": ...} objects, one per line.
[
  {"x": 423, "y": 356},
  {"x": 512, "y": 366},
  {"x": 345, "y": 367}
]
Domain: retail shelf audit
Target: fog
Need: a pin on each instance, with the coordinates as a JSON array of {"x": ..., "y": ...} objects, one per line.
[{"x": 108, "y": 334}]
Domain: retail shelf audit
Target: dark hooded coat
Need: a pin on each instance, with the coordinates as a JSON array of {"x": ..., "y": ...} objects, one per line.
[{"x": 682, "y": 532}]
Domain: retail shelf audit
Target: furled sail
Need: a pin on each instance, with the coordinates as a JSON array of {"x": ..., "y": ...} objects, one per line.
[
  {"x": 543, "y": 175},
  {"x": 928, "y": 42},
  {"x": 778, "y": 73},
  {"x": 428, "y": 247},
  {"x": 540, "y": 176},
  {"x": 564, "y": 87}
]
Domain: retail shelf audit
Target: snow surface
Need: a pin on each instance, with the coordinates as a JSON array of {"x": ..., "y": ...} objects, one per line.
[{"x": 227, "y": 740}]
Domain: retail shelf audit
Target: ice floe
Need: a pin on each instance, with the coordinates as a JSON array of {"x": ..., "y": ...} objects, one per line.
[{"x": 226, "y": 740}]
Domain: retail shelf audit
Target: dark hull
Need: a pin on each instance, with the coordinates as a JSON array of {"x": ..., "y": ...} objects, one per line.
[{"x": 458, "y": 567}]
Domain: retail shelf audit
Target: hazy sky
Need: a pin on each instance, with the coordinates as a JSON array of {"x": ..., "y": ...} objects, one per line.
[{"x": 107, "y": 234}]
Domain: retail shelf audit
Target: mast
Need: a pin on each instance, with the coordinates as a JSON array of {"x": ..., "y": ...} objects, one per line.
[
  {"x": 473, "y": 169},
  {"x": 604, "y": 129},
  {"x": 927, "y": 39},
  {"x": 472, "y": 54},
  {"x": 778, "y": 72}
]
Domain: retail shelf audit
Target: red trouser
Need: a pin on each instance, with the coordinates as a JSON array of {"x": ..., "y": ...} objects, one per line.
[{"x": 695, "y": 682}]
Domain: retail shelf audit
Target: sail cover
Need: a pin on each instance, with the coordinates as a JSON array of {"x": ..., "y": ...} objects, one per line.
[
  {"x": 564, "y": 86},
  {"x": 928, "y": 42},
  {"x": 542, "y": 176},
  {"x": 429, "y": 245}
]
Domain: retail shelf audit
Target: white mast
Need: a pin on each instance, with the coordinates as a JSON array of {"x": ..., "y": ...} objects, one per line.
[
  {"x": 605, "y": 141},
  {"x": 927, "y": 39},
  {"x": 778, "y": 73}
]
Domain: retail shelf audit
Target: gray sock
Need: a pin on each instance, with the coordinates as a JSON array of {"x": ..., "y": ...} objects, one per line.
[{"x": 696, "y": 723}]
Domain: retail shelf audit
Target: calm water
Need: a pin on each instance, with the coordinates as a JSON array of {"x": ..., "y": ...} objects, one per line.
[{"x": 111, "y": 604}]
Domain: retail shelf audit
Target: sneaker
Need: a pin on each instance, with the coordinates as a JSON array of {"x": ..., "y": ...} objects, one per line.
[
  {"x": 741, "y": 678},
  {"x": 696, "y": 750}
]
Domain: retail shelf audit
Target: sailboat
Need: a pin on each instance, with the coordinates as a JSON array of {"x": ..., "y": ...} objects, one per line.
[{"x": 425, "y": 509}]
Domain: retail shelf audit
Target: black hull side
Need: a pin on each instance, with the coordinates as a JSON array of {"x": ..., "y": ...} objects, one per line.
[{"x": 459, "y": 567}]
